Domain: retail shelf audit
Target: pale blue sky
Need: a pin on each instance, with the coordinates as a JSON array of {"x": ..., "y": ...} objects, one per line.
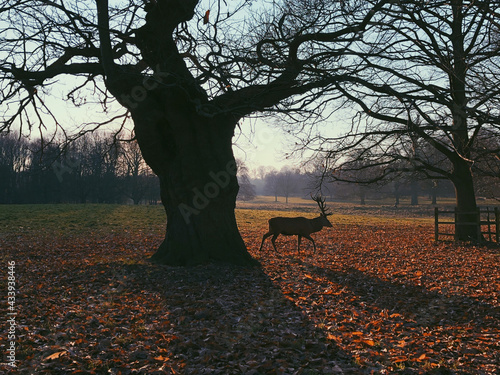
[{"x": 260, "y": 144}]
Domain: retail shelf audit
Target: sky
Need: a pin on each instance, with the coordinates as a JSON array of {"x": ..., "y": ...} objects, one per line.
[
  {"x": 262, "y": 144},
  {"x": 256, "y": 142},
  {"x": 259, "y": 144}
]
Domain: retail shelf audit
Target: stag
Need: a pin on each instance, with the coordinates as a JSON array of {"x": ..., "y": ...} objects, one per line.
[{"x": 299, "y": 226}]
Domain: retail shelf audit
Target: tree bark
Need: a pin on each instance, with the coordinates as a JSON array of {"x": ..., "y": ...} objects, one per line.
[
  {"x": 414, "y": 192},
  {"x": 466, "y": 227},
  {"x": 434, "y": 192},
  {"x": 193, "y": 158},
  {"x": 201, "y": 229}
]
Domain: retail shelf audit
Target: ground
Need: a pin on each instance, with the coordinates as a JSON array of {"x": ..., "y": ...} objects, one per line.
[{"x": 379, "y": 296}]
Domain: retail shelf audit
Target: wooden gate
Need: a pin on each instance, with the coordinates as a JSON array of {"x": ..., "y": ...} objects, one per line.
[{"x": 488, "y": 223}]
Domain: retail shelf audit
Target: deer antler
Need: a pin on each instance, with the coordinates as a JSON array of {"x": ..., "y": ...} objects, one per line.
[{"x": 321, "y": 203}]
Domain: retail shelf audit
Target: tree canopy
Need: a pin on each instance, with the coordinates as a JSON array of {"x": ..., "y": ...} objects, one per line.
[{"x": 238, "y": 58}]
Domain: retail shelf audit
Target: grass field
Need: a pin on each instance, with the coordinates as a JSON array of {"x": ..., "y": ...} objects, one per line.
[{"x": 379, "y": 296}]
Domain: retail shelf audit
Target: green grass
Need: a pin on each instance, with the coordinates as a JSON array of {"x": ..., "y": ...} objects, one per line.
[
  {"x": 80, "y": 219},
  {"x": 74, "y": 219},
  {"x": 374, "y": 212},
  {"x": 260, "y": 217},
  {"x": 404, "y": 202}
]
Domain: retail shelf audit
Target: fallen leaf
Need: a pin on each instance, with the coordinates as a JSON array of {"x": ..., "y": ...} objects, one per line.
[{"x": 55, "y": 355}]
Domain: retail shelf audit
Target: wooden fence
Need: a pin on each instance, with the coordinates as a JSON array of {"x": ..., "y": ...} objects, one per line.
[{"x": 487, "y": 219}]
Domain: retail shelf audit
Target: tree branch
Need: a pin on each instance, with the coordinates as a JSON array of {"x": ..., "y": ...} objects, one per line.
[{"x": 105, "y": 40}]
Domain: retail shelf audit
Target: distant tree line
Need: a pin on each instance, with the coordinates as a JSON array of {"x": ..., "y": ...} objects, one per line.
[
  {"x": 289, "y": 182},
  {"x": 96, "y": 168},
  {"x": 247, "y": 189}
]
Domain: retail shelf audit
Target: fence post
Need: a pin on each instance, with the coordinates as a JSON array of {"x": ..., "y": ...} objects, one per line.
[
  {"x": 456, "y": 224},
  {"x": 488, "y": 219},
  {"x": 478, "y": 220},
  {"x": 497, "y": 222},
  {"x": 436, "y": 224}
]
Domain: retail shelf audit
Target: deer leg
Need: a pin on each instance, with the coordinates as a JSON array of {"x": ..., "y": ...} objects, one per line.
[
  {"x": 310, "y": 239},
  {"x": 273, "y": 240},
  {"x": 263, "y": 239},
  {"x": 299, "y": 237}
]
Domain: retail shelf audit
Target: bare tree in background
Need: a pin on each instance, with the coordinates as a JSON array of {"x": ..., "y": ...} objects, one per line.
[
  {"x": 134, "y": 171},
  {"x": 286, "y": 181},
  {"x": 272, "y": 184},
  {"x": 247, "y": 190},
  {"x": 426, "y": 88},
  {"x": 14, "y": 160},
  {"x": 487, "y": 165}
]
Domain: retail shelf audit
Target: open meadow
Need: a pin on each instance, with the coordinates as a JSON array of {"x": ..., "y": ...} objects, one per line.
[{"x": 379, "y": 296}]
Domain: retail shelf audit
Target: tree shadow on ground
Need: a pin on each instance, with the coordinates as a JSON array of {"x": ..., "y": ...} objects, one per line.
[
  {"x": 230, "y": 319},
  {"x": 455, "y": 332},
  {"x": 426, "y": 308},
  {"x": 118, "y": 317}
]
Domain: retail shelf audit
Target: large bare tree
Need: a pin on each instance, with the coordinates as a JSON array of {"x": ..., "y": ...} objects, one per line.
[
  {"x": 427, "y": 95},
  {"x": 186, "y": 72}
]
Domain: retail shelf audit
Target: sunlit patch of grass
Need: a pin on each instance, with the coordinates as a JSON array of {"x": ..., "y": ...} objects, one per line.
[{"x": 260, "y": 218}]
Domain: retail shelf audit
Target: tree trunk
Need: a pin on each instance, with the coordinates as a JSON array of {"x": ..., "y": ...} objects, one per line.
[
  {"x": 202, "y": 228},
  {"x": 193, "y": 158},
  {"x": 467, "y": 219},
  {"x": 362, "y": 195},
  {"x": 434, "y": 192},
  {"x": 466, "y": 226},
  {"x": 184, "y": 137},
  {"x": 396, "y": 194},
  {"x": 414, "y": 193}
]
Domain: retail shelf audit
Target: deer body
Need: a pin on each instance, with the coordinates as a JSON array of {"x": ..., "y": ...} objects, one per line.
[{"x": 297, "y": 226}]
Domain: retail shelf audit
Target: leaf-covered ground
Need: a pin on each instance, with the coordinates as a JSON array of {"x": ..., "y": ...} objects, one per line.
[{"x": 378, "y": 297}]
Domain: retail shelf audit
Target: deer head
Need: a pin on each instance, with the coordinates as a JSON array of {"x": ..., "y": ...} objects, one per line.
[{"x": 324, "y": 210}]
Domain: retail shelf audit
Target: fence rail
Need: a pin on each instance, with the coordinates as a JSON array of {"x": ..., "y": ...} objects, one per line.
[{"x": 485, "y": 217}]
